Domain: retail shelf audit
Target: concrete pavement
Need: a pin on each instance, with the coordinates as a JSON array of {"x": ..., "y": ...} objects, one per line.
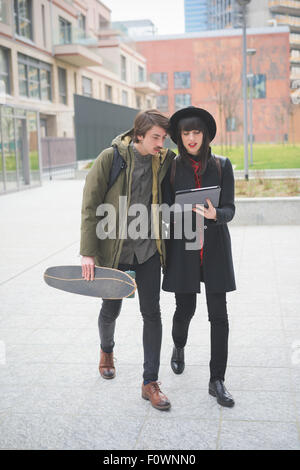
[{"x": 52, "y": 396}]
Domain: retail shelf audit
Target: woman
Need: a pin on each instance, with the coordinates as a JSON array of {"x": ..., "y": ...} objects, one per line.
[{"x": 192, "y": 129}]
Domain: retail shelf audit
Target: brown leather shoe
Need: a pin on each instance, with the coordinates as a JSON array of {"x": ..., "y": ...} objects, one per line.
[
  {"x": 152, "y": 392},
  {"x": 106, "y": 365}
]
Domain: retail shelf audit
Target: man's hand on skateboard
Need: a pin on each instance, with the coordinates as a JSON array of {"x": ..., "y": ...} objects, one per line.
[{"x": 88, "y": 267}]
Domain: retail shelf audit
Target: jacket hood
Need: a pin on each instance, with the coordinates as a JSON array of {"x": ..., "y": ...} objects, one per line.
[{"x": 122, "y": 141}]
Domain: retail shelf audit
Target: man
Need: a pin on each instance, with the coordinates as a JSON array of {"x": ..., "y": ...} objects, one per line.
[{"x": 134, "y": 168}]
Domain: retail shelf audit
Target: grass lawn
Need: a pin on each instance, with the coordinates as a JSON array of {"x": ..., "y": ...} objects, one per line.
[
  {"x": 10, "y": 161},
  {"x": 267, "y": 187},
  {"x": 264, "y": 156}
]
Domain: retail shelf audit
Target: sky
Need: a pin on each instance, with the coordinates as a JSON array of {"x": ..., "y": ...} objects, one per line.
[{"x": 167, "y": 15}]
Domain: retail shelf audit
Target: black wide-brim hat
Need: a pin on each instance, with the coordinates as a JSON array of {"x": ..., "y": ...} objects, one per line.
[{"x": 191, "y": 111}]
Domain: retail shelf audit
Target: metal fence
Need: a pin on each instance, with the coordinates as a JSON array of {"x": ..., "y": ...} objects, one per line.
[{"x": 58, "y": 157}]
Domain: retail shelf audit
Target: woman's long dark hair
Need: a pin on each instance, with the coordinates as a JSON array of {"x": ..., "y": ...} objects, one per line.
[{"x": 190, "y": 124}]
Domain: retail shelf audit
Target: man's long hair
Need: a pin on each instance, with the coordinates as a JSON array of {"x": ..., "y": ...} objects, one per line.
[{"x": 190, "y": 124}]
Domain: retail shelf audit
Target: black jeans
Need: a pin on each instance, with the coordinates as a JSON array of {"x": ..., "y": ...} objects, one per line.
[
  {"x": 219, "y": 330},
  {"x": 148, "y": 287}
]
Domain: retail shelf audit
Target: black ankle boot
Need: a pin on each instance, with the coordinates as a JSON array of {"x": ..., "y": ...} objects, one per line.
[
  {"x": 177, "y": 360},
  {"x": 217, "y": 389}
]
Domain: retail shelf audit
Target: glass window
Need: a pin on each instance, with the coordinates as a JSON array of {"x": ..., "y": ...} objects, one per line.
[
  {"x": 182, "y": 100},
  {"x": 44, "y": 25},
  {"x": 230, "y": 124},
  {"x": 87, "y": 86},
  {"x": 123, "y": 68},
  {"x": 108, "y": 93},
  {"x": 23, "y": 90},
  {"x": 4, "y": 71},
  {"x": 81, "y": 22},
  {"x": 33, "y": 146},
  {"x": 9, "y": 148},
  {"x": 3, "y": 11},
  {"x": 141, "y": 74},
  {"x": 160, "y": 79},
  {"x": 65, "y": 31},
  {"x": 259, "y": 86},
  {"x": 162, "y": 102},
  {"x": 45, "y": 84},
  {"x": 182, "y": 80},
  {"x": 62, "y": 85},
  {"x": 33, "y": 82},
  {"x": 124, "y": 98},
  {"x": 34, "y": 78},
  {"x": 23, "y": 18},
  {"x": 138, "y": 102}
]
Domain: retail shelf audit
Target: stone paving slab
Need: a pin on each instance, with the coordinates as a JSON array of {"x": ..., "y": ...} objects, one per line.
[{"x": 51, "y": 394}]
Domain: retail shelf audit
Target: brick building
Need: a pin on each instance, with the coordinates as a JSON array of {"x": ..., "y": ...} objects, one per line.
[{"x": 205, "y": 69}]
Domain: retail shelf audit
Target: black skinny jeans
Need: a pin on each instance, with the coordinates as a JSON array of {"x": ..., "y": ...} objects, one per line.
[
  {"x": 219, "y": 330},
  {"x": 148, "y": 287}
]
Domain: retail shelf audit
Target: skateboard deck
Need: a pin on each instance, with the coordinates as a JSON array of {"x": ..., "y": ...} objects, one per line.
[{"x": 108, "y": 283}]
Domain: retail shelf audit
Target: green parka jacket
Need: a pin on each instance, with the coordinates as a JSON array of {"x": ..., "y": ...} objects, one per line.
[{"x": 107, "y": 252}]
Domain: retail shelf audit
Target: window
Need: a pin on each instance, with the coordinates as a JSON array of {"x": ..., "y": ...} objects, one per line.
[
  {"x": 65, "y": 31},
  {"x": 23, "y": 18},
  {"x": 123, "y": 68},
  {"x": 44, "y": 25},
  {"x": 75, "y": 82},
  {"x": 103, "y": 22},
  {"x": 4, "y": 71},
  {"x": 45, "y": 79},
  {"x": 34, "y": 78},
  {"x": 108, "y": 93},
  {"x": 141, "y": 74},
  {"x": 182, "y": 100},
  {"x": 62, "y": 85},
  {"x": 124, "y": 98},
  {"x": 87, "y": 86},
  {"x": 259, "y": 86},
  {"x": 138, "y": 102},
  {"x": 3, "y": 12},
  {"x": 230, "y": 124},
  {"x": 160, "y": 79},
  {"x": 81, "y": 22},
  {"x": 162, "y": 102},
  {"x": 182, "y": 80}
]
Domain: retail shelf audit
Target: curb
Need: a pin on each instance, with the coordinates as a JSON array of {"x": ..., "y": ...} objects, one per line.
[
  {"x": 267, "y": 211},
  {"x": 278, "y": 173}
]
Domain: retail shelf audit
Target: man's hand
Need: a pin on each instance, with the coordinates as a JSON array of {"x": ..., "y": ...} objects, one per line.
[
  {"x": 208, "y": 213},
  {"x": 88, "y": 267}
]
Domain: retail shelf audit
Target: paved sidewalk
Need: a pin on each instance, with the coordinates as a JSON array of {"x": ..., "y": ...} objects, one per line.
[{"x": 51, "y": 394}]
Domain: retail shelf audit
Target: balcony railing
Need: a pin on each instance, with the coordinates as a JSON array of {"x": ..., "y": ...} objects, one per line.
[
  {"x": 292, "y": 21},
  {"x": 295, "y": 38},
  {"x": 285, "y": 6},
  {"x": 295, "y": 60},
  {"x": 68, "y": 34}
]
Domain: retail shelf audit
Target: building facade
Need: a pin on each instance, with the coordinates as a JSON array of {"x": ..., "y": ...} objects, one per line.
[
  {"x": 49, "y": 50},
  {"x": 223, "y": 14},
  {"x": 205, "y": 70},
  {"x": 52, "y": 49}
]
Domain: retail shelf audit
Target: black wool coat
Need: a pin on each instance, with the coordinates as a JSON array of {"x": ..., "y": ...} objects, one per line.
[{"x": 183, "y": 273}]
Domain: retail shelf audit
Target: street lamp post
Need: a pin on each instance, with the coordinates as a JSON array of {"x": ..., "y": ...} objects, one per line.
[
  {"x": 243, "y": 4},
  {"x": 251, "y": 53}
]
